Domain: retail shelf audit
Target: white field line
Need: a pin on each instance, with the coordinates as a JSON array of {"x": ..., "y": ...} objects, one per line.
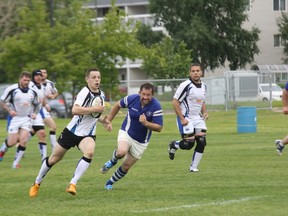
[{"x": 197, "y": 205}]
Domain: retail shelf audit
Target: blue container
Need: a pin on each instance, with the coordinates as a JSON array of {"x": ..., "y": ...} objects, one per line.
[{"x": 246, "y": 120}]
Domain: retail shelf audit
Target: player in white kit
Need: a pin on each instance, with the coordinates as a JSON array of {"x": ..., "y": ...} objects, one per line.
[
  {"x": 50, "y": 92},
  {"x": 190, "y": 108},
  {"x": 80, "y": 132},
  {"x": 23, "y": 107}
]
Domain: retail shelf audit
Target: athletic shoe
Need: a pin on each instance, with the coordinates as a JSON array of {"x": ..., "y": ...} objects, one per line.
[
  {"x": 194, "y": 170},
  {"x": 171, "y": 150},
  {"x": 2, "y": 155},
  {"x": 17, "y": 166},
  {"x": 106, "y": 167},
  {"x": 279, "y": 148},
  {"x": 71, "y": 189},
  {"x": 108, "y": 187},
  {"x": 34, "y": 190}
]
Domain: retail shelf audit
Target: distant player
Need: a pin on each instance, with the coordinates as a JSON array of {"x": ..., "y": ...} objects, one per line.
[
  {"x": 190, "y": 108},
  {"x": 23, "y": 107},
  {"x": 50, "y": 92}
]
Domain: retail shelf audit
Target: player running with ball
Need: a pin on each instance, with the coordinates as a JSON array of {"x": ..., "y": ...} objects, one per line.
[{"x": 80, "y": 132}]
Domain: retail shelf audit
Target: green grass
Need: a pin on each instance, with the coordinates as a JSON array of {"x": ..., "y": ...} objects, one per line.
[{"x": 240, "y": 174}]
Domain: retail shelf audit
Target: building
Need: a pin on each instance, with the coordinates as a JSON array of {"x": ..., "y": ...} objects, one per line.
[{"x": 262, "y": 14}]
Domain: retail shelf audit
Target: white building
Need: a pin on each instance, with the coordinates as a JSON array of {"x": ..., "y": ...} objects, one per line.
[{"x": 262, "y": 14}]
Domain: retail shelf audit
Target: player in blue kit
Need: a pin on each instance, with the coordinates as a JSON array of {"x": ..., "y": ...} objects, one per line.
[{"x": 144, "y": 116}]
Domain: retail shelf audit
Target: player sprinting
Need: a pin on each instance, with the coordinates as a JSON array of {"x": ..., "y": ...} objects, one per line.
[
  {"x": 80, "y": 132},
  {"x": 280, "y": 144},
  {"x": 144, "y": 116},
  {"x": 23, "y": 107},
  {"x": 190, "y": 108}
]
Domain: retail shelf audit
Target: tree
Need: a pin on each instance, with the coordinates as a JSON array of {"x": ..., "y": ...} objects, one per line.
[
  {"x": 167, "y": 61},
  {"x": 283, "y": 29},
  {"x": 211, "y": 28},
  {"x": 72, "y": 45},
  {"x": 147, "y": 36}
]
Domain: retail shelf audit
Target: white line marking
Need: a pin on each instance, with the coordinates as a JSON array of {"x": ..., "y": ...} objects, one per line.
[{"x": 196, "y": 205}]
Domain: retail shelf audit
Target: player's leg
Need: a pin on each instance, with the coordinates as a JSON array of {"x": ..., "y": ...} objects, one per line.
[
  {"x": 118, "y": 153},
  {"x": 200, "y": 138},
  {"x": 87, "y": 146},
  {"x": 50, "y": 123},
  {"x": 23, "y": 139},
  {"x": 134, "y": 154},
  {"x": 47, "y": 164}
]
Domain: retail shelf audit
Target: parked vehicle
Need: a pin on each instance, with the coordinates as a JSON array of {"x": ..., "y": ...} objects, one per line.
[{"x": 264, "y": 92}]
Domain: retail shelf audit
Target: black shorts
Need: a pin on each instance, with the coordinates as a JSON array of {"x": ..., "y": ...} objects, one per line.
[{"x": 67, "y": 139}]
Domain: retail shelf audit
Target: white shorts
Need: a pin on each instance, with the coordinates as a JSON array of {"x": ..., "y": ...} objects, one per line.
[
  {"x": 136, "y": 149},
  {"x": 44, "y": 113},
  {"x": 195, "y": 124},
  {"x": 19, "y": 122},
  {"x": 38, "y": 121}
]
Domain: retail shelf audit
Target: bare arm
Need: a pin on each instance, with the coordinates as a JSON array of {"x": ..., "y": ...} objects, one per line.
[
  {"x": 204, "y": 112},
  {"x": 285, "y": 101},
  {"x": 79, "y": 110},
  {"x": 177, "y": 109},
  {"x": 7, "y": 108},
  {"x": 113, "y": 112},
  {"x": 150, "y": 125}
]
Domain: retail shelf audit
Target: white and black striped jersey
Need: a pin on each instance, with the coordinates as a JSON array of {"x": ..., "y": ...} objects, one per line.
[
  {"x": 191, "y": 97},
  {"x": 84, "y": 125}
]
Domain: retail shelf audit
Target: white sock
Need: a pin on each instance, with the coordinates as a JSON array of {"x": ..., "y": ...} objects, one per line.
[
  {"x": 18, "y": 156},
  {"x": 43, "y": 150},
  {"x": 53, "y": 139},
  {"x": 81, "y": 168},
  {"x": 4, "y": 147},
  {"x": 196, "y": 160},
  {"x": 42, "y": 172}
]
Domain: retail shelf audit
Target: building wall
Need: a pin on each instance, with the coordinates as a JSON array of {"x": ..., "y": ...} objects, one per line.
[{"x": 261, "y": 15}]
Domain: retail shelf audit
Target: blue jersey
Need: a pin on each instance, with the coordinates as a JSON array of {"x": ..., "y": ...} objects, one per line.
[{"x": 132, "y": 125}]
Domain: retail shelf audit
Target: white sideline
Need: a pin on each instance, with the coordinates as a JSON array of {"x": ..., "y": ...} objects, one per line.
[{"x": 196, "y": 205}]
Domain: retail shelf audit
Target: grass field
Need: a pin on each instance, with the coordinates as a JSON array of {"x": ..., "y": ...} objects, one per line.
[{"x": 240, "y": 174}]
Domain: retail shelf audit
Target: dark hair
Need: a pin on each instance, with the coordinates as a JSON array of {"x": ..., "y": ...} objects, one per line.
[
  {"x": 25, "y": 74},
  {"x": 196, "y": 64},
  {"x": 147, "y": 86},
  {"x": 89, "y": 70}
]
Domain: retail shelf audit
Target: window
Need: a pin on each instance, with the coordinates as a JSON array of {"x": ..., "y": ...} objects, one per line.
[
  {"x": 279, "y": 5},
  {"x": 278, "y": 41}
]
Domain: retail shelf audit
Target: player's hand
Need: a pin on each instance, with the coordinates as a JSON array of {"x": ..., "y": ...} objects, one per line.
[
  {"x": 107, "y": 124},
  {"x": 142, "y": 119},
  {"x": 98, "y": 109},
  {"x": 184, "y": 122}
]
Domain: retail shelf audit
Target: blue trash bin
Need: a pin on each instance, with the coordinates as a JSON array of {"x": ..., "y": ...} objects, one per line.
[{"x": 246, "y": 120}]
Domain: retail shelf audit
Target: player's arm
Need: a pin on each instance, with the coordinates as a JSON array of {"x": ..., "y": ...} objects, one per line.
[
  {"x": 53, "y": 95},
  {"x": 113, "y": 112},
  {"x": 7, "y": 108},
  {"x": 177, "y": 109},
  {"x": 285, "y": 101},
  {"x": 150, "y": 125},
  {"x": 203, "y": 111},
  {"x": 79, "y": 110}
]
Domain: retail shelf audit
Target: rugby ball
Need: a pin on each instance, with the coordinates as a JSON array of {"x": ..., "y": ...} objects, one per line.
[{"x": 96, "y": 101}]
